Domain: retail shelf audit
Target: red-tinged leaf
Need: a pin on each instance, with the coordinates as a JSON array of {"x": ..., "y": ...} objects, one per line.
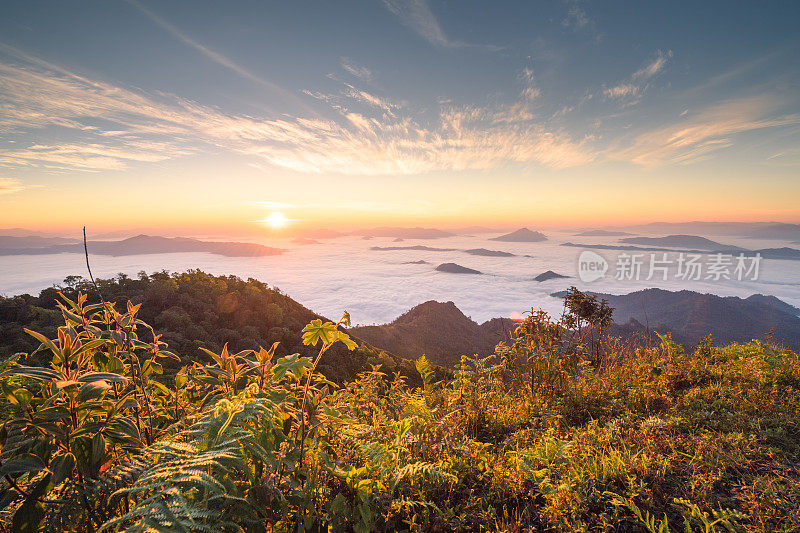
[
  {"x": 44, "y": 340},
  {"x": 102, "y": 376},
  {"x": 33, "y": 372}
]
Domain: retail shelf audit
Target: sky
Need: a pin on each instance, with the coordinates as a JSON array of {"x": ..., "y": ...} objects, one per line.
[{"x": 199, "y": 117}]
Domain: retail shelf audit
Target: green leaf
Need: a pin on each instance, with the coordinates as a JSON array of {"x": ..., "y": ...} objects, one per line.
[
  {"x": 315, "y": 331},
  {"x": 22, "y": 464},
  {"x": 90, "y": 345},
  {"x": 21, "y": 397},
  {"x": 220, "y": 358},
  {"x": 30, "y": 514},
  {"x": 44, "y": 340},
  {"x": 91, "y": 390},
  {"x": 181, "y": 378},
  {"x": 33, "y": 372},
  {"x": 345, "y": 338},
  {"x": 164, "y": 390},
  {"x": 115, "y": 365},
  {"x": 28, "y": 517},
  {"x": 62, "y": 467},
  {"x": 150, "y": 367},
  {"x": 82, "y": 448},
  {"x": 55, "y": 412},
  {"x": 293, "y": 364},
  {"x": 123, "y": 430},
  {"x": 98, "y": 449},
  {"x": 68, "y": 315}
]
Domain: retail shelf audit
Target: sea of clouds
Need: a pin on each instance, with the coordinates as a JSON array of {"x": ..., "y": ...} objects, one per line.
[{"x": 377, "y": 286}]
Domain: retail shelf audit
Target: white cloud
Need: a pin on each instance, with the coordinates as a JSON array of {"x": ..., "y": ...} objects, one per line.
[
  {"x": 91, "y": 157},
  {"x": 371, "y": 99},
  {"x": 576, "y": 17},
  {"x": 579, "y": 20},
  {"x": 10, "y": 185},
  {"x": 631, "y": 90},
  {"x": 99, "y": 126},
  {"x": 529, "y": 89},
  {"x": 369, "y": 135},
  {"x": 694, "y": 139},
  {"x": 417, "y": 15},
  {"x": 624, "y": 90},
  {"x": 654, "y": 67},
  {"x": 359, "y": 71}
]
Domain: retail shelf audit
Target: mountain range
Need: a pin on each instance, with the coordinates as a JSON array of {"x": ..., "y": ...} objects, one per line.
[
  {"x": 195, "y": 309},
  {"x": 444, "y": 333},
  {"x": 681, "y": 241},
  {"x": 689, "y": 315},
  {"x": 766, "y": 253},
  {"x": 758, "y": 230},
  {"x": 139, "y": 245}
]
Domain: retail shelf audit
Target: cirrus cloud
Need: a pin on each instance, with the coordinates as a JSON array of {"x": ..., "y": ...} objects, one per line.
[
  {"x": 10, "y": 185},
  {"x": 97, "y": 126},
  {"x": 112, "y": 127},
  {"x": 695, "y": 138}
]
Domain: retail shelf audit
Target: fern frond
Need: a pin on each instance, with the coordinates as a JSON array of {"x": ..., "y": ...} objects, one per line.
[{"x": 197, "y": 480}]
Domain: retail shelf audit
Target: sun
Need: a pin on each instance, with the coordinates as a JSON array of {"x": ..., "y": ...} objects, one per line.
[{"x": 276, "y": 220}]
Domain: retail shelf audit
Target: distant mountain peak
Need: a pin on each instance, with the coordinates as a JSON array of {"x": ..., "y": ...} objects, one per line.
[
  {"x": 544, "y": 276},
  {"x": 521, "y": 235},
  {"x": 446, "y": 310},
  {"x": 454, "y": 268},
  {"x": 439, "y": 330}
]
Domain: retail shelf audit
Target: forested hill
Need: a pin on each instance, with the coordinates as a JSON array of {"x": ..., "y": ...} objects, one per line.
[
  {"x": 440, "y": 331},
  {"x": 689, "y": 316},
  {"x": 192, "y": 310}
]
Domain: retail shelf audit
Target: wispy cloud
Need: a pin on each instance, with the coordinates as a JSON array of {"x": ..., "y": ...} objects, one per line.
[
  {"x": 578, "y": 20},
  {"x": 696, "y": 138},
  {"x": 417, "y": 15},
  {"x": 217, "y": 57},
  {"x": 529, "y": 89},
  {"x": 404, "y": 205},
  {"x": 622, "y": 91},
  {"x": 371, "y": 134},
  {"x": 99, "y": 126},
  {"x": 359, "y": 71},
  {"x": 90, "y": 157},
  {"x": 632, "y": 89},
  {"x": 654, "y": 67},
  {"x": 10, "y": 185}
]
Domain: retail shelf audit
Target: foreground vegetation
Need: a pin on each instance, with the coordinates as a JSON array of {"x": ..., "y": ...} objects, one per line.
[{"x": 556, "y": 431}]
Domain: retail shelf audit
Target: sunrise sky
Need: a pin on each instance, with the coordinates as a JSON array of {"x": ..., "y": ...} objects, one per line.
[{"x": 212, "y": 116}]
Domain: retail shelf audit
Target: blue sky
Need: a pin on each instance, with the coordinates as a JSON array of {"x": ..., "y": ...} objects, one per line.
[{"x": 416, "y": 111}]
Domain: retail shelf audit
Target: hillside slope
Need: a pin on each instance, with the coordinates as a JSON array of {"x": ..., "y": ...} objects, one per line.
[
  {"x": 192, "y": 310},
  {"x": 440, "y": 331}
]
